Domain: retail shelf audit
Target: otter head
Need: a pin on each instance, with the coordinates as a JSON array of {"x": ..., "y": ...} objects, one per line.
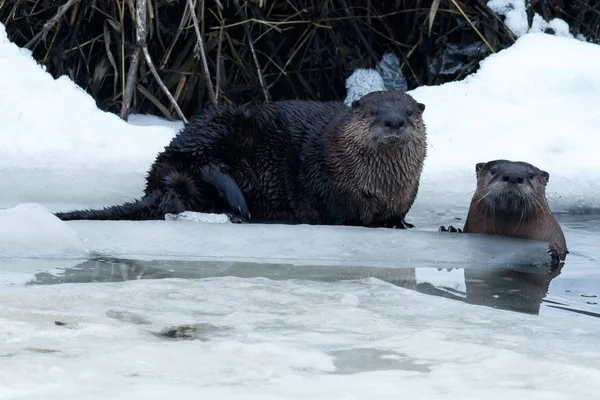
[
  {"x": 510, "y": 188},
  {"x": 388, "y": 117}
]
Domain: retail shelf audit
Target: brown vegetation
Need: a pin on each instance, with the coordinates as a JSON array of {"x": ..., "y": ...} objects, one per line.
[{"x": 257, "y": 50}]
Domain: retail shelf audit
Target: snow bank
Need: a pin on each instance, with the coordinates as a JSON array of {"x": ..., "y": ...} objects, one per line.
[
  {"x": 57, "y": 146},
  {"x": 515, "y": 19},
  {"x": 30, "y": 231},
  {"x": 263, "y": 339},
  {"x": 537, "y": 101}
]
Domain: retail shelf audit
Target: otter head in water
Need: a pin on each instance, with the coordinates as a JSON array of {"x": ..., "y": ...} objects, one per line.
[
  {"x": 511, "y": 189},
  {"x": 388, "y": 117},
  {"x": 510, "y": 200}
]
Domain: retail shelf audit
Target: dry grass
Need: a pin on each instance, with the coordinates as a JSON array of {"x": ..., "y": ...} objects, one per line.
[{"x": 258, "y": 50}]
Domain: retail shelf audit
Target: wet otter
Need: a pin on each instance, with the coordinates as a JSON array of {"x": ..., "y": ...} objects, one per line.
[
  {"x": 290, "y": 161},
  {"x": 510, "y": 200}
]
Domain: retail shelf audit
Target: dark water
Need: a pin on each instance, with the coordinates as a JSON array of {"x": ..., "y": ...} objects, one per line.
[{"x": 572, "y": 288}]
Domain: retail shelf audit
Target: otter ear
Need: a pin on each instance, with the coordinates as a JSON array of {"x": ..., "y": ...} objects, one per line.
[
  {"x": 356, "y": 104},
  {"x": 421, "y": 106},
  {"x": 545, "y": 176},
  {"x": 479, "y": 166}
]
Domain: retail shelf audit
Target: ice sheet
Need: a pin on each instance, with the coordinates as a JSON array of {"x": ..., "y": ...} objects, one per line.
[
  {"x": 304, "y": 244},
  {"x": 263, "y": 339}
]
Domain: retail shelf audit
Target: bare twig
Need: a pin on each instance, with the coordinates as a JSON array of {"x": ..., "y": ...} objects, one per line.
[
  {"x": 472, "y": 26},
  {"x": 359, "y": 33},
  {"x": 211, "y": 91},
  {"x": 250, "y": 42},
  {"x": 141, "y": 32},
  {"x": 131, "y": 84},
  {"x": 51, "y": 22},
  {"x": 160, "y": 82},
  {"x": 218, "y": 74}
]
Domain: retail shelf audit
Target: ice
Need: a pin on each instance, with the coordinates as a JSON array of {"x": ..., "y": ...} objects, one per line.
[
  {"x": 261, "y": 339},
  {"x": 386, "y": 76},
  {"x": 305, "y": 244},
  {"x": 198, "y": 217},
  {"x": 361, "y": 82}
]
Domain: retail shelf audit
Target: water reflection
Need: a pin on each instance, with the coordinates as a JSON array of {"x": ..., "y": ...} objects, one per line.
[{"x": 509, "y": 289}]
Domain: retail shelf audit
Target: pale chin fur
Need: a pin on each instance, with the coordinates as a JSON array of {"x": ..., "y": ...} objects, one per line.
[
  {"x": 385, "y": 136},
  {"x": 518, "y": 196}
]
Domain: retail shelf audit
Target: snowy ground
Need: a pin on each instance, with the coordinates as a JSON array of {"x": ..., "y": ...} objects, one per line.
[
  {"x": 262, "y": 339},
  {"x": 258, "y": 338}
]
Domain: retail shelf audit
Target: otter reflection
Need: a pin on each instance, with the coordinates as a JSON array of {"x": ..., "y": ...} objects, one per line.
[{"x": 507, "y": 289}]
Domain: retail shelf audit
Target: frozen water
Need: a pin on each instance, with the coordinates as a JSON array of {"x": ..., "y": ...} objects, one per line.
[
  {"x": 262, "y": 339},
  {"x": 361, "y": 82},
  {"x": 304, "y": 244},
  {"x": 386, "y": 76},
  {"x": 198, "y": 217}
]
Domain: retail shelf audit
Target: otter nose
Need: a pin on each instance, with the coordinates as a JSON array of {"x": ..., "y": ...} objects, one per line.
[
  {"x": 394, "y": 121},
  {"x": 512, "y": 178}
]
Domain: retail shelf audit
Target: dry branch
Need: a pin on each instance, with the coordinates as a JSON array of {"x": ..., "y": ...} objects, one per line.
[
  {"x": 259, "y": 50},
  {"x": 141, "y": 32},
  {"x": 48, "y": 25},
  {"x": 251, "y": 44},
  {"x": 211, "y": 91}
]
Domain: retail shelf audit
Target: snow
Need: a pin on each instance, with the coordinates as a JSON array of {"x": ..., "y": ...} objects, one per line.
[
  {"x": 288, "y": 338},
  {"x": 29, "y": 230},
  {"x": 515, "y": 19},
  {"x": 534, "y": 102},
  {"x": 263, "y": 339}
]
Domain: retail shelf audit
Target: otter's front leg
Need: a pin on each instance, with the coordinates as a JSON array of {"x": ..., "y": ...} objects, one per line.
[
  {"x": 397, "y": 222},
  {"x": 228, "y": 189}
]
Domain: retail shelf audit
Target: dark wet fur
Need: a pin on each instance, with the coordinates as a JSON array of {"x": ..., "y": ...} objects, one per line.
[
  {"x": 510, "y": 200},
  {"x": 289, "y": 162}
]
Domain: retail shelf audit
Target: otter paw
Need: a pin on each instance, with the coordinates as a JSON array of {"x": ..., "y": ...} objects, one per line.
[
  {"x": 555, "y": 257},
  {"x": 450, "y": 229},
  {"x": 237, "y": 219},
  {"x": 404, "y": 224}
]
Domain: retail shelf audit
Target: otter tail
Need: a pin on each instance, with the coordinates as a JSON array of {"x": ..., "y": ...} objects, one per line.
[
  {"x": 147, "y": 208},
  {"x": 180, "y": 194}
]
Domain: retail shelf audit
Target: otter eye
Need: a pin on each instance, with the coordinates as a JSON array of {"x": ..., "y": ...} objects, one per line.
[
  {"x": 373, "y": 112},
  {"x": 409, "y": 112},
  {"x": 531, "y": 175},
  {"x": 493, "y": 171}
]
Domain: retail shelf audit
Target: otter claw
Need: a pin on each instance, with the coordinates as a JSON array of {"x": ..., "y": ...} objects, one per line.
[
  {"x": 553, "y": 254},
  {"x": 450, "y": 229},
  {"x": 227, "y": 188},
  {"x": 405, "y": 224}
]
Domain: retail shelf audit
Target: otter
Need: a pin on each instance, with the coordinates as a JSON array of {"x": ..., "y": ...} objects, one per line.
[
  {"x": 510, "y": 200},
  {"x": 291, "y": 161}
]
